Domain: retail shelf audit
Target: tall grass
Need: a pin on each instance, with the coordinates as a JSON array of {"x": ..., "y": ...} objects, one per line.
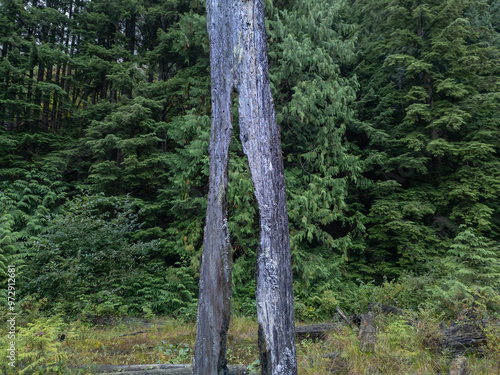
[{"x": 401, "y": 348}]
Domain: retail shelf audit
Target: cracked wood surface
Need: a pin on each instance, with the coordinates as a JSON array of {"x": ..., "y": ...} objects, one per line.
[{"x": 238, "y": 60}]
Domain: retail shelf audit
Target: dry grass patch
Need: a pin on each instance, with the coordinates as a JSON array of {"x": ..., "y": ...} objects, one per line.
[
  {"x": 159, "y": 341},
  {"x": 401, "y": 348}
]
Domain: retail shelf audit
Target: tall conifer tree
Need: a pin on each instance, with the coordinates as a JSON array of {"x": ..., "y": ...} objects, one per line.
[{"x": 429, "y": 105}]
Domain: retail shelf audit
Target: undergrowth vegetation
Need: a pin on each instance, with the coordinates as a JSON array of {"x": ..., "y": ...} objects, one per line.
[
  {"x": 49, "y": 345},
  {"x": 92, "y": 273}
]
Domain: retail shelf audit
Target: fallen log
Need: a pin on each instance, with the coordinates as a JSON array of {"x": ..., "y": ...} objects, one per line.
[
  {"x": 380, "y": 308},
  {"x": 127, "y": 368},
  {"x": 463, "y": 338},
  {"x": 314, "y": 331},
  {"x": 132, "y": 334},
  {"x": 161, "y": 369}
]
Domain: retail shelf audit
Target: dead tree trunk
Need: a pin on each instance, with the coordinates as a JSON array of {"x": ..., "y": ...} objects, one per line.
[{"x": 238, "y": 59}]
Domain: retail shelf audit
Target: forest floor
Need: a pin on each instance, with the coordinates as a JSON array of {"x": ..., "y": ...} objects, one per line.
[{"x": 400, "y": 348}]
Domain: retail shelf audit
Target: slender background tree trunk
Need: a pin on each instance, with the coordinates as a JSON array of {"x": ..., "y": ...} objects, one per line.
[{"x": 238, "y": 59}]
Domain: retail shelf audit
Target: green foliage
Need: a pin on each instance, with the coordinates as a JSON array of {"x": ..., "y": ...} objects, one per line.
[
  {"x": 439, "y": 296},
  {"x": 389, "y": 114},
  {"x": 24, "y": 205},
  {"x": 30, "y": 199},
  {"x": 428, "y": 122},
  {"x": 38, "y": 347},
  {"x": 310, "y": 45},
  {"x": 87, "y": 263},
  {"x": 475, "y": 260},
  {"x": 408, "y": 292},
  {"x": 180, "y": 353},
  {"x": 124, "y": 149},
  {"x": 9, "y": 242},
  {"x": 400, "y": 337}
]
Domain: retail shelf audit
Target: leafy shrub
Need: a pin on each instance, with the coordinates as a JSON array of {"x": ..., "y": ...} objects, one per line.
[
  {"x": 443, "y": 296},
  {"x": 450, "y": 297},
  {"x": 86, "y": 261},
  {"x": 407, "y": 292}
]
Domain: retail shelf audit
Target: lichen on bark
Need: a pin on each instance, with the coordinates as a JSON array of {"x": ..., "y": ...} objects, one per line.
[{"x": 238, "y": 59}]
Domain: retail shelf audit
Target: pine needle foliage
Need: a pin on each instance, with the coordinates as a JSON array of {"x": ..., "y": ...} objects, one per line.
[
  {"x": 310, "y": 46},
  {"x": 428, "y": 106},
  {"x": 475, "y": 259},
  {"x": 389, "y": 114},
  {"x": 9, "y": 244}
]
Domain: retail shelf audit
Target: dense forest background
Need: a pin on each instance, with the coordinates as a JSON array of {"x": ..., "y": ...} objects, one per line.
[{"x": 390, "y": 126}]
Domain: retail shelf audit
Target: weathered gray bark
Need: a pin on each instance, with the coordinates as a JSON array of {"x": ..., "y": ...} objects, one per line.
[
  {"x": 463, "y": 337},
  {"x": 238, "y": 59},
  {"x": 367, "y": 339},
  {"x": 344, "y": 317}
]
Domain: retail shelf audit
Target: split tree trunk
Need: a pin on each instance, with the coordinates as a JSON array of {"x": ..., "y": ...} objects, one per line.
[{"x": 238, "y": 59}]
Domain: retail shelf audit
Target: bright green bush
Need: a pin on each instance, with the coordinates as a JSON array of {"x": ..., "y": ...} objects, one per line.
[
  {"x": 86, "y": 262},
  {"x": 38, "y": 347}
]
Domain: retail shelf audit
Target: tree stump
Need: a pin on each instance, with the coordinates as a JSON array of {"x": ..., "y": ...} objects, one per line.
[{"x": 367, "y": 339}]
